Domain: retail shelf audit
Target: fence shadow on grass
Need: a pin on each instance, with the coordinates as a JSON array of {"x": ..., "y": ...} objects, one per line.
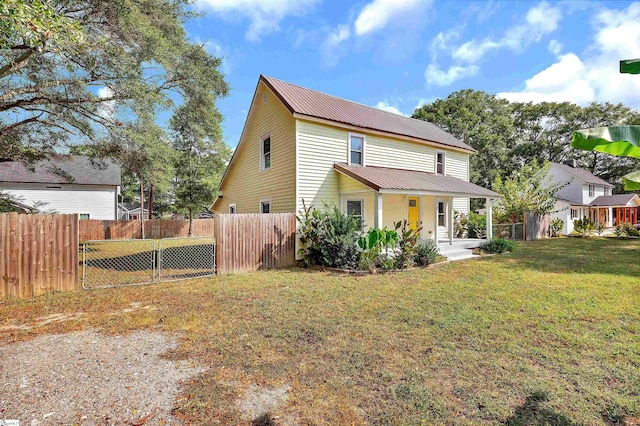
[{"x": 531, "y": 412}]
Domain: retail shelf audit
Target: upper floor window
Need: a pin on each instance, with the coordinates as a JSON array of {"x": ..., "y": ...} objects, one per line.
[
  {"x": 440, "y": 159},
  {"x": 265, "y": 153},
  {"x": 232, "y": 208},
  {"x": 607, "y": 190},
  {"x": 592, "y": 190},
  {"x": 356, "y": 150},
  {"x": 265, "y": 205}
]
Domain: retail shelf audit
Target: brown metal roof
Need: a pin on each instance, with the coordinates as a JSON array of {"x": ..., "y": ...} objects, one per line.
[
  {"x": 320, "y": 105},
  {"x": 383, "y": 178},
  {"x": 614, "y": 200},
  {"x": 584, "y": 175}
]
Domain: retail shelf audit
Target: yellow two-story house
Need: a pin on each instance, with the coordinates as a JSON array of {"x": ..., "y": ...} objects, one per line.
[{"x": 299, "y": 144}]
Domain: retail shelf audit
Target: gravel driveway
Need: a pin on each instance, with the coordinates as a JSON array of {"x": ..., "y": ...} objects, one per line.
[{"x": 90, "y": 378}]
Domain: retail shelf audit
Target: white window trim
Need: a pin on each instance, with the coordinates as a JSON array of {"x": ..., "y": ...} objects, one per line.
[
  {"x": 235, "y": 209},
  {"x": 362, "y": 203},
  {"x": 262, "y": 139},
  {"x": 444, "y": 163},
  {"x": 264, "y": 200},
  {"x": 446, "y": 214},
  {"x": 364, "y": 144},
  {"x": 592, "y": 193}
]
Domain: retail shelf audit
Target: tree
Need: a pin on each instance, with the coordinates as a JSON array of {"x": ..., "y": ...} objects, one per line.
[
  {"x": 480, "y": 120},
  {"x": 94, "y": 71},
  {"x": 201, "y": 156},
  {"x": 529, "y": 189}
]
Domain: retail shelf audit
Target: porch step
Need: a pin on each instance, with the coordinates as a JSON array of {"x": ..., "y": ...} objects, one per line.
[
  {"x": 444, "y": 245},
  {"x": 454, "y": 253}
]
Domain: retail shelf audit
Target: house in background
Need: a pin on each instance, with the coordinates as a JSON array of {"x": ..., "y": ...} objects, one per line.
[
  {"x": 131, "y": 211},
  {"x": 587, "y": 195},
  {"x": 302, "y": 145},
  {"x": 67, "y": 184}
]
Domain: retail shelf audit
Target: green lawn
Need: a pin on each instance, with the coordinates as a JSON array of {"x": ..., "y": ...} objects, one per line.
[{"x": 547, "y": 335}]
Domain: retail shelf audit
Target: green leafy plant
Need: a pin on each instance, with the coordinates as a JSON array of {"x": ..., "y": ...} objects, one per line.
[
  {"x": 460, "y": 224},
  {"x": 584, "y": 226},
  {"x": 629, "y": 229},
  {"x": 376, "y": 245},
  {"x": 557, "y": 225},
  {"x": 426, "y": 253},
  {"x": 329, "y": 237},
  {"x": 619, "y": 231},
  {"x": 498, "y": 245},
  {"x": 407, "y": 241},
  {"x": 476, "y": 225}
]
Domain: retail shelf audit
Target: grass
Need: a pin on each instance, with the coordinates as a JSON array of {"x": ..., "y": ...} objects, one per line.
[{"x": 545, "y": 335}]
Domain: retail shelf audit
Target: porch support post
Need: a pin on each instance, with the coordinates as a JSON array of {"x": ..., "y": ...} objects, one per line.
[
  {"x": 489, "y": 219},
  {"x": 597, "y": 217},
  {"x": 377, "y": 213},
  {"x": 435, "y": 228},
  {"x": 617, "y": 216},
  {"x": 450, "y": 221}
]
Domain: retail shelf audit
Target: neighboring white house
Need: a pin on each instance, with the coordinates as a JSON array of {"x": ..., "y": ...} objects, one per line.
[
  {"x": 590, "y": 196},
  {"x": 131, "y": 211},
  {"x": 67, "y": 184}
]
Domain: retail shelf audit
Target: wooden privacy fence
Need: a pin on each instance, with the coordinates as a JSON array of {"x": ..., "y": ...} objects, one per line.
[
  {"x": 132, "y": 229},
  {"x": 536, "y": 226},
  {"x": 248, "y": 242},
  {"x": 38, "y": 254}
]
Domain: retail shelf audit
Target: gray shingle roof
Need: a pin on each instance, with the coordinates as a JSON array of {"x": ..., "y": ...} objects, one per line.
[
  {"x": 381, "y": 178},
  {"x": 584, "y": 175},
  {"x": 311, "y": 103},
  {"x": 77, "y": 169},
  {"x": 613, "y": 200}
]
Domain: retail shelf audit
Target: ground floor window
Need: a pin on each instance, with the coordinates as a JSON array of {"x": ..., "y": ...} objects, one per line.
[
  {"x": 232, "y": 209},
  {"x": 355, "y": 208},
  {"x": 84, "y": 216},
  {"x": 575, "y": 214},
  {"x": 265, "y": 205},
  {"x": 442, "y": 214}
]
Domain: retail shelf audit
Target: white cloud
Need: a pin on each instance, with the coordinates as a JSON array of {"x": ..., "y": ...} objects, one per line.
[
  {"x": 377, "y": 14},
  {"x": 331, "y": 46},
  {"x": 385, "y": 106},
  {"x": 595, "y": 76},
  {"x": 106, "y": 109},
  {"x": 555, "y": 47},
  {"x": 541, "y": 20},
  {"x": 264, "y": 15},
  {"x": 438, "y": 77}
]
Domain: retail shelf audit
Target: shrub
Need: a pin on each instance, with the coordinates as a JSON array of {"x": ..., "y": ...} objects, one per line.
[
  {"x": 329, "y": 237},
  {"x": 583, "y": 226},
  {"x": 629, "y": 229},
  {"x": 426, "y": 253},
  {"x": 377, "y": 246},
  {"x": 498, "y": 245},
  {"x": 407, "y": 241},
  {"x": 556, "y": 227},
  {"x": 619, "y": 231},
  {"x": 477, "y": 225}
]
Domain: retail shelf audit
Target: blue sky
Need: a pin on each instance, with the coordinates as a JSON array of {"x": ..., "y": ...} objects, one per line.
[{"x": 398, "y": 54}]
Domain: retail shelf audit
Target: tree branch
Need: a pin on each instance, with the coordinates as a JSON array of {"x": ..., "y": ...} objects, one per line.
[
  {"x": 20, "y": 123},
  {"x": 18, "y": 64}
]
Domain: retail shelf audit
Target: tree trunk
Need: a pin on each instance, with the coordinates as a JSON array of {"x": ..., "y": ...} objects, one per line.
[
  {"x": 190, "y": 219},
  {"x": 151, "y": 201},
  {"x": 142, "y": 208}
]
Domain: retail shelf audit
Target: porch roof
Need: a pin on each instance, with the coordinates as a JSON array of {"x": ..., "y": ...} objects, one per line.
[
  {"x": 618, "y": 200},
  {"x": 383, "y": 179}
]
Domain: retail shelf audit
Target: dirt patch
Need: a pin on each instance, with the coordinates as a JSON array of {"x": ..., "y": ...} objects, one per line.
[
  {"x": 40, "y": 321},
  {"x": 258, "y": 401},
  {"x": 90, "y": 378}
]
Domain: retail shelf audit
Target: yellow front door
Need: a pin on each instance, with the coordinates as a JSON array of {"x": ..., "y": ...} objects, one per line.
[{"x": 414, "y": 212}]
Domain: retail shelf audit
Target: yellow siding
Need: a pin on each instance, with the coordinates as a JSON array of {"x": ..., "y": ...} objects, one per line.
[
  {"x": 428, "y": 216},
  {"x": 398, "y": 154},
  {"x": 457, "y": 165},
  {"x": 319, "y": 146},
  {"x": 245, "y": 184},
  {"x": 394, "y": 209}
]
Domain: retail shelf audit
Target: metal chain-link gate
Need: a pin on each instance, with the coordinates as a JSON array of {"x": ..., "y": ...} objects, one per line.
[{"x": 118, "y": 263}]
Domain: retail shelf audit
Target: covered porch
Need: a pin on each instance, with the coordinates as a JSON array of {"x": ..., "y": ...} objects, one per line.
[
  {"x": 382, "y": 196},
  {"x": 612, "y": 210}
]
